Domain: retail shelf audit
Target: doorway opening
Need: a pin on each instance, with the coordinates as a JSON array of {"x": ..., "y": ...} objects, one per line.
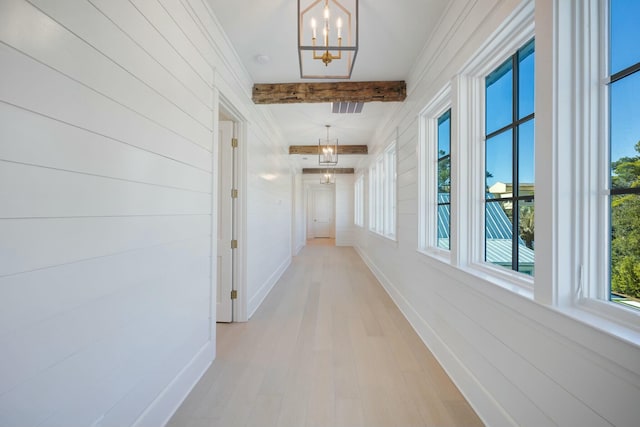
[
  {"x": 321, "y": 227},
  {"x": 228, "y": 226}
]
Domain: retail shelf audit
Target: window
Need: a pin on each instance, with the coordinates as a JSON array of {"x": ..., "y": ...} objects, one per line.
[
  {"x": 434, "y": 168},
  {"x": 624, "y": 152},
  {"x": 492, "y": 163},
  {"x": 389, "y": 185},
  {"x": 587, "y": 248},
  {"x": 509, "y": 163},
  {"x": 374, "y": 201},
  {"x": 382, "y": 193},
  {"x": 358, "y": 203},
  {"x": 444, "y": 180}
]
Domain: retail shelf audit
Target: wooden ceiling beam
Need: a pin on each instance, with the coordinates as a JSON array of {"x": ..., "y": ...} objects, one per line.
[
  {"x": 314, "y": 150},
  {"x": 291, "y": 93},
  {"x": 324, "y": 170}
]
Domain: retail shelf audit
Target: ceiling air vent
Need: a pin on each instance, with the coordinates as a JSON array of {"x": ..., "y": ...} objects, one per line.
[{"x": 347, "y": 107}]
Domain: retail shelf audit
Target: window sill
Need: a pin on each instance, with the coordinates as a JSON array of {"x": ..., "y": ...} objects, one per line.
[
  {"x": 617, "y": 322},
  {"x": 391, "y": 240},
  {"x": 621, "y": 322},
  {"x": 514, "y": 282},
  {"x": 486, "y": 279},
  {"x": 437, "y": 254}
]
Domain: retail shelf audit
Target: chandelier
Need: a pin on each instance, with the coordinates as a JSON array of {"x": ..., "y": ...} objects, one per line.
[
  {"x": 327, "y": 38},
  {"x": 328, "y": 177},
  {"x": 328, "y": 150}
]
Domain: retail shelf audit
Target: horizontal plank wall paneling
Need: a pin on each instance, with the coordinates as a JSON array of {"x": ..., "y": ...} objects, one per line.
[
  {"x": 35, "y": 243},
  {"x": 38, "y": 89},
  {"x": 106, "y": 120},
  {"x": 34, "y": 139},
  {"x": 90, "y": 67},
  {"x": 298, "y": 214},
  {"x": 135, "y": 26},
  {"x": 344, "y": 210},
  {"x": 167, "y": 25},
  {"x": 53, "y": 193},
  {"x": 518, "y": 362},
  {"x": 33, "y": 297},
  {"x": 269, "y": 193}
]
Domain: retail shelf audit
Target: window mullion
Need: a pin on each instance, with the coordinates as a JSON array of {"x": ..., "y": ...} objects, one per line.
[
  {"x": 624, "y": 73},
  {"x": 515, "y": 212}
]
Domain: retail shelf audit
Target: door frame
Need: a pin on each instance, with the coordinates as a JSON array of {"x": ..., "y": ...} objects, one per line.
[
  {"x": 308, "y": 211},
  {"x": 226, "y": 218},
  {"x": 224, "y": 106}
]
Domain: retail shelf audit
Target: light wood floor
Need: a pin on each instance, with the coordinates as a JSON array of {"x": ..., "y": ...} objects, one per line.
[{"x": 327, "y": 348}]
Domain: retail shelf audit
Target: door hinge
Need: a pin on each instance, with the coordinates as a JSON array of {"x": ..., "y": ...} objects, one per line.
[
  {"x": 234, "y": 194},
  {"x": 234, "y": 142},
  {"x": 234, "y": 294},
  {"x": 234, "y": 244}
]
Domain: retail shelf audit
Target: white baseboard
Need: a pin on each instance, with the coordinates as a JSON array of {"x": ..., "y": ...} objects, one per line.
[
  {"x": 487, "y": 408},
  {"x": 160, "y": 411},
  {"x": 266, "y": 287}
]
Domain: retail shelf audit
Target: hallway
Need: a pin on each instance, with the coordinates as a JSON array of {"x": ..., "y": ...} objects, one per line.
[{"x": 328, "y": 347}]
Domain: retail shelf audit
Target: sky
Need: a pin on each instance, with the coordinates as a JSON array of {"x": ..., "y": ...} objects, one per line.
[
  {"x": 625, "y": 94},
  {"x": 499, "y": 109},
  {"x": 624, "y": 107}
]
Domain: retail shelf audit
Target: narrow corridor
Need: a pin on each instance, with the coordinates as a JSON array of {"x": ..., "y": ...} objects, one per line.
[{"x": 327, "y": 348}]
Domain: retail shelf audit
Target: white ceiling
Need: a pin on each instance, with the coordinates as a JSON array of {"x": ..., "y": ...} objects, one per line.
[{"x": 392, "y": 34}]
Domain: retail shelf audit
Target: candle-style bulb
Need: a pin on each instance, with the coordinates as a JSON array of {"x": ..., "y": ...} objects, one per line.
[{"x": 339, "y": 27}]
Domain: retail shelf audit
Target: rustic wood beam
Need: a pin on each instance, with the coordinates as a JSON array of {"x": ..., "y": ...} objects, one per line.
[
  {"x": 291, "y": 93},
  {"x": 314, "y": 150},
  {"x": 324, "y": 170}
]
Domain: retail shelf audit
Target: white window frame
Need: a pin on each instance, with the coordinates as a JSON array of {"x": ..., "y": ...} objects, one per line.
[
  {"x": 428, "y": 175},
  {"x": 586, "y": 286},
  {"x": 572, "y": 258},
  {"x": 373, "y": 202},
  {"x": 358, "y": 202},
  {"x": 390, "y": 182},
  {"x": 379, "y": 189},
  {"x": 469, "y": 170},
  {"x": 383, "y": 194}
]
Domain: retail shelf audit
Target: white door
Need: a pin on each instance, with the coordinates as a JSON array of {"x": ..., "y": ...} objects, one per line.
[
  {"x": 323, "y": 212},
  {"x": 224, "y": 306}
]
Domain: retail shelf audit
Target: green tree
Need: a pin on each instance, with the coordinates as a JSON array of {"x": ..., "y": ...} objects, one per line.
[
  {"x": 527, "y": 226},
  {"x": 626, "y": 171},
  {"x": 625, "y": 227},
  {"x": 444, "y": 172}
]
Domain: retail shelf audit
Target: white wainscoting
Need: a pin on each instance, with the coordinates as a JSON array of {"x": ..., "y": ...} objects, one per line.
[{"x": 106, "y": 121}]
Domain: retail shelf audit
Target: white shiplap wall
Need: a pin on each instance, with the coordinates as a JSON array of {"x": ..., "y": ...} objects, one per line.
[
  {"x": 106, "y": 118},
  {"x": 518, "y": 362},
  {"x": 269, "y": 198},
  {"x": 299, "y": 225},
  {"x": 344, "y": 210}
]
